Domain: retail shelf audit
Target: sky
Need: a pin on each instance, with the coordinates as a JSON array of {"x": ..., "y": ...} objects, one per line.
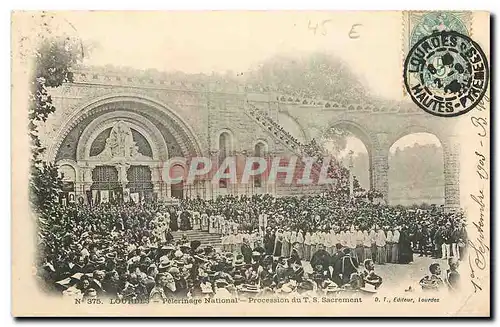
[
  {"x": 357, "y": 146},
  {"x": 218, "y": 42}
]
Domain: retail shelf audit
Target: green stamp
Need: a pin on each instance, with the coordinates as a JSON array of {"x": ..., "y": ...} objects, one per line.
[{"x": 438, "y": 21}]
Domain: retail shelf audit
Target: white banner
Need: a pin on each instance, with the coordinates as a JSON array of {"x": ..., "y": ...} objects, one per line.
[
  {"x": 104, "y": 196},
  {"x": 126, "y": 195},
  {"x": 95, "y": 196},
  {"x": 134, "y": 197}
]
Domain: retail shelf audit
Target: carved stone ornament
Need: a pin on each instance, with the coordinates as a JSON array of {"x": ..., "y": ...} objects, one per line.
[{"x": 120, "y": 146}]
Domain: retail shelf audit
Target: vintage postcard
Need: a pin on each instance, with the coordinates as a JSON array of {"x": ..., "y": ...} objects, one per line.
[{"x": 332, "y": 164}]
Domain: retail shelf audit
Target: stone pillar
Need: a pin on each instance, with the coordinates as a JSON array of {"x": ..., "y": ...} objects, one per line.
[
  {"x": 379, "y": 165},
  {"x": 168, "y": 190},
  {"x": 156, "y": 180},
  {"x": 451, "y": 155}
]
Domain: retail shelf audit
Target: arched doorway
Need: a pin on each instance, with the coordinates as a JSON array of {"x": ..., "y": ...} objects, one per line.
[
  {"x": 260, "y": 151},
  {"x": 105, "y": 185},
  {"x": 416, "y": 170},
  {"x": 139, "y": 182},
  {"x": 68, "y": 176}
]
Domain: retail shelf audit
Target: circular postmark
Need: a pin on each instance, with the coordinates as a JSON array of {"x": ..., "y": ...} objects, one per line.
[{"x": 446, "y": 73}]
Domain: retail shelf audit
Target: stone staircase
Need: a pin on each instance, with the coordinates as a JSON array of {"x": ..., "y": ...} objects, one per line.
[
  {"x": 297, "y": 148},
  {"x": 204, "y": 237},
  {"x": 273, "y": 128}
]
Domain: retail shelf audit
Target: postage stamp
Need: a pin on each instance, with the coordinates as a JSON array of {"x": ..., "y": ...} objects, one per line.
[
  {"x": 418, "y": 25},
  {"x": 220, "y": 164},
  {"x": 446, "y": 73}
]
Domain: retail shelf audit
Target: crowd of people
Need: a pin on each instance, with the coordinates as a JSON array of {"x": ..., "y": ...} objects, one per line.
[
  {"x": 272, "y": 124},
  {"x": 128, "y": 251}
]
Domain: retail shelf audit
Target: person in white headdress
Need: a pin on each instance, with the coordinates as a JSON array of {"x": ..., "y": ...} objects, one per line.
[
  {"x": 351, "y": 242},
  {"x": 293, "y": 238},
  {"x": 314, "y": 242},
  {"x": 196, "y": 220},
  {"x": 300, "y": 243},
  {"x": 307, "y": 246},
  {"x": 330, "y": 241},
  {"x": 212, "y": 224},
  {"x": 367, "y": 245},
  {"x": 224, "y": 243},
  {"x": 360, "y": 251},
  {"x": 221, "y": 221},
  {"x": 261, "y": 224},
  {"x": 204, "y": 221},
  {"x": 395, "y": 245},
  {"x": 285, "y": 248},
  {"x": 373, "y": 238},
  {"x": 343, "y": 238},
  {"x": 380, "y": 242}
]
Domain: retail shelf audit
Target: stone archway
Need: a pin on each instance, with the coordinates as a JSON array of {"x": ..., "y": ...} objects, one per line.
[
  {"x": 416, "y": 170},
  {"x": 364, "y": 135},
  {"x": 451, "y": 163},
  {"x": 159, "y": 114},
  {"x": 160, "y": 129}
]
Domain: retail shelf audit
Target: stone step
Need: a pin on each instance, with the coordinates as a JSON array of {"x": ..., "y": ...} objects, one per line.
[{"x": 204, "y": 237}]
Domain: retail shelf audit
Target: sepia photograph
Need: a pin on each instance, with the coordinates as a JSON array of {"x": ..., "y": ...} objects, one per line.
[{"x": 251, "y": 163}]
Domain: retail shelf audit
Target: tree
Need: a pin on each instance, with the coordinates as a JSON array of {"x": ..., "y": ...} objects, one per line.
[
  {"x": 53, "y": 59},
  {"x": 316, "y": 75}
]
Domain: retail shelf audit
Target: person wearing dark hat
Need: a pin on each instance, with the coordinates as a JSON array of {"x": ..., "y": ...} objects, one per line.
[
  {"x": 96, "y": 283},
  {"x": 269, "y": 240},
  {"x": 321, "y": 257},
  {"x": 110, "y": 284},
  {"x": 151, "y": 273},
  {"x": 181, "y": 288},
  {"x": 405, "y": 250},
  {"x": 346, "y": 266},
  {"x": 194, "y": 245},
  {"x": 246, "y": 251},
  {"x": 259, "y": 248},
  {"x": 294, "y": 254},
  {"x": 296, "y": 271},
  {"x": 239, "y": 261},
  {"x": 84, "y": 283},
  {"x": 267, "y": 272}
]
